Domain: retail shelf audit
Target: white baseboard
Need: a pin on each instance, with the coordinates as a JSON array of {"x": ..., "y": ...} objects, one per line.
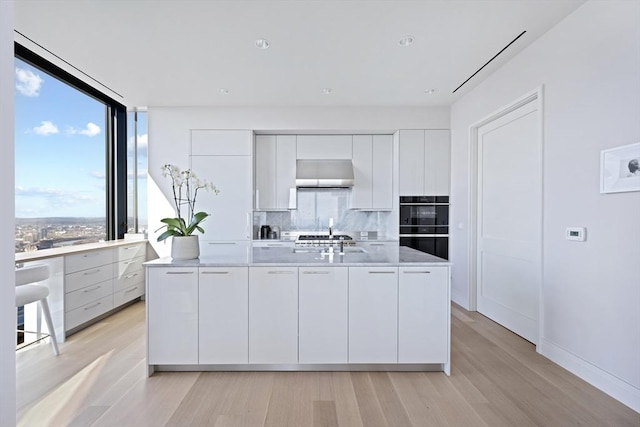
[
  {"x": 613, "y": 386},
  {"x": 460, "y": 298}
]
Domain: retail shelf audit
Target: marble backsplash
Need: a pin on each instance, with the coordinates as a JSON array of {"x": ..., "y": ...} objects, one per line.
[{"x": 315, "y": 207}]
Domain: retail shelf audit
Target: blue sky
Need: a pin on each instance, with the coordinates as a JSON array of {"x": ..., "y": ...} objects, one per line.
[{"x": 59, "y": 148}]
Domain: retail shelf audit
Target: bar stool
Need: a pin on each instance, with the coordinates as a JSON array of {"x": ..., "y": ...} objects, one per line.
[{"x": 27, "y": 291}]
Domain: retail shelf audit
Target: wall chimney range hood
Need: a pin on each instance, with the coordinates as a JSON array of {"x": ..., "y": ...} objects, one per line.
[{"x": 324, "y": 173}]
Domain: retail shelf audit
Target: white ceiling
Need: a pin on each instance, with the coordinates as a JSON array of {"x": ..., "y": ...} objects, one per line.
[{"x": 172, "y": 52}]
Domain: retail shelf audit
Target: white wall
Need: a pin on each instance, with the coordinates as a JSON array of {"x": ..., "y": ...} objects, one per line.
[
  {"x": 169, "y": 135},
  {"x": 589, "y": 65},
  {"x": 7, "y": 221}
]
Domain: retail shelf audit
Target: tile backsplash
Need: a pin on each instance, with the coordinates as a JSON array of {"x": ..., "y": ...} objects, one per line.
[{"x": 316, "y": 206}]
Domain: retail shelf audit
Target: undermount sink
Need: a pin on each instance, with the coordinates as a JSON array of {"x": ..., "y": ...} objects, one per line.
[{"x": 336, "y": 250}]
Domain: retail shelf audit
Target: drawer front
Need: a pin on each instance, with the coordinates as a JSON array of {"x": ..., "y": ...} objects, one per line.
[
  {"x": 129, "y": 266},
  {"x": 87, "y": 312},
  {"x": 131, "y": 251},
  {"x": 86, "y": 295},
  {"x": 87, "y": 260},
  {"x": 125, "y": 281},
  {"x": 128, "y": 294},
  {"x": 82, "y": 279}
]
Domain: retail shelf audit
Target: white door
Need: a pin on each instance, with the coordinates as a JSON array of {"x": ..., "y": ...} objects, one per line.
[{"x": 509, "y": 227}]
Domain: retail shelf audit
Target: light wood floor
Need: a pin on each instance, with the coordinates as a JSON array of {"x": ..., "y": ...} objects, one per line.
[{"x": 497, "y": 379}]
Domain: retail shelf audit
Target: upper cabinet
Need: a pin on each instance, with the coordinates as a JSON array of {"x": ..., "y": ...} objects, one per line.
[
  {"x": 320, "y": 147},
  {"x": 275, "y": 166},
  {"x": 373, "y": 172},
  {"x": 424, "y": 162}
]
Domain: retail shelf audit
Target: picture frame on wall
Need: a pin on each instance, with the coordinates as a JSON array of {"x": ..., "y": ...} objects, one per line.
[{"x": 620, "y": 169}]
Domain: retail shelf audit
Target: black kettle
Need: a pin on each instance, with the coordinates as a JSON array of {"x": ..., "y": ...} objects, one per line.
[{"x": 264, "y": 231}]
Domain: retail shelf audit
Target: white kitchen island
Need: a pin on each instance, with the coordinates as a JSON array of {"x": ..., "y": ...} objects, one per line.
[{"x": 385, "y": 308}]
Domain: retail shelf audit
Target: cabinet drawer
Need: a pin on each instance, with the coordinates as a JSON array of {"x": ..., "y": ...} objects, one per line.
[
  {"x": 125, "y": 281},
  {"x": 131, "y": 251},
  {"x": 75, "y": 299},
  {"x": 129, "y": 266},
  {"x": 87, "y": 312},
  {"x": 86, "y": 260},
  {"x": 81, "y": 279},
  {"x": 128, "y": 294}
]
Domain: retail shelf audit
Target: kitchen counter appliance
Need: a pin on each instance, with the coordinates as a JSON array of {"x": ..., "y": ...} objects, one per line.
[
  {"x": 323, "y": 240},
  {"x": 424, "y": 224}
]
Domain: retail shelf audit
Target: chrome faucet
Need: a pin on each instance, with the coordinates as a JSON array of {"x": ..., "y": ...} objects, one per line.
[
  {"x": 331, "y": 228},
  {"x": 341, "y": 246}
]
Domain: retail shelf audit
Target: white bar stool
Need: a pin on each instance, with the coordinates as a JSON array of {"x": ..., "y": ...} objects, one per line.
[{"x": 27, "y": 291}]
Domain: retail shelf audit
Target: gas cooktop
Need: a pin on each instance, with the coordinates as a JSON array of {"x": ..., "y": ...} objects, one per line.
[
  {"x": 324, "y": 237},
  {"x": 324, "y": 240}
]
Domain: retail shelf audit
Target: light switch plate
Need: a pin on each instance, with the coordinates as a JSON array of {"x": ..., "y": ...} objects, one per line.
[{"x": 579, "y": 234}]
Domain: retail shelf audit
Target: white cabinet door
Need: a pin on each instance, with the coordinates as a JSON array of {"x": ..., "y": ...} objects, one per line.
[
  {"x": 221, "y": 249},
  {"x": 373, "y": 314},
  {"x": 411, "y": 162},
  {"x": 265, "y": 179},
  {"x": 423, "y": 320},
  {"x": 324, "y": 147},
  {"x": 273, "y": 315},
  {"x": 437, "y": 162},
  {"x": 382, "y": 173},
  {"x": 323, "y": 315},
  {"x": 362, "y": 191},
  {"x": 224, "y": 317},
  {"x": 229, "y": 210},
  {"x": 285, "y": 170},
  {"x": 209, "y": 142},
  {"x": 172, "y": 315}
]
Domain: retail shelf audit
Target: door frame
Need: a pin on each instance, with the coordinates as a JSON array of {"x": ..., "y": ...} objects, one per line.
[{"x": 536, "y": 96}]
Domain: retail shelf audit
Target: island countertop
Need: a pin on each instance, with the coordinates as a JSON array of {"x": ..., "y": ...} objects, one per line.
[{"x": 374, "y": 256}]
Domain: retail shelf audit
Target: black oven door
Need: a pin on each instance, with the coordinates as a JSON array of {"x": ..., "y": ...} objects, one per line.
[
  {"x": 438, "y": 246},
  {"x": 424, "y": 215}
]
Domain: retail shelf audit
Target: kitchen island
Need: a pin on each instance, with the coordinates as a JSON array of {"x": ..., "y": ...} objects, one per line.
[{"x": 379, "y": 308}]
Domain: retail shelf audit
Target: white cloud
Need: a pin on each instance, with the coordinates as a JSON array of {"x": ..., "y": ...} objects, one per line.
[
  {"x": 27, "y": 82},
  {"x": 92, "y": 129},
  {"x": 98, "y": 174},
  {"x": 46, "y": 128}
]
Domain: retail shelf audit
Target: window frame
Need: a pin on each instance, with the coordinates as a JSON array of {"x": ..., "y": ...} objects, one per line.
[{"x": 115, "y": 145}]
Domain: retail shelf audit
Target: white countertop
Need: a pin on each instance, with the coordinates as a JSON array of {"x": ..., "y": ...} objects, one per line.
[
  {"x": 72, "y": 249},
  {"x": 376, "y": 256}
]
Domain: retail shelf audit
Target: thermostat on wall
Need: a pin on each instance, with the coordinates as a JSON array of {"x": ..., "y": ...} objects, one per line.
[{"x": 576, "y": 233}]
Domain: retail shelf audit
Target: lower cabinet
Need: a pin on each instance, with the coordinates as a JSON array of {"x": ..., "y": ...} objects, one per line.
[
  {"x": 423, "y": 318},
  {"x": 172, "y": 315},
  {"x": 273, "y": 315},
  {"x": 373, "y": 314},
  {"x": 224, "y": 319},
  {"x": 323, "y": 314}
]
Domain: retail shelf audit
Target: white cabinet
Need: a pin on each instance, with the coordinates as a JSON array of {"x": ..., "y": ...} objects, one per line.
[
  {"x": 224, "y": 318},
  {"x": 213, "y": 142},
  {"x": 273, "y": 315},
  {"x": 273, "y": 244},
  {"x": 128, "y": 282},
  {"x": 275, "y": 171},
  {"x": 172, "y": 315},
  {"x": 424, "y": 162},
  {"x": 230, "y": 210},
  {"x": 423, "y": 321},
  {"x": 373, "y": 314},
  {"x": 323, "y": 319},
  {"x": 373, "y": 172},
  {"x": 324, "y": 147}
]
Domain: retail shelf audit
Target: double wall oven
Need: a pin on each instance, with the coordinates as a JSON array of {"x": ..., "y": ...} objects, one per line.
[{"x": 424, "y": 224}]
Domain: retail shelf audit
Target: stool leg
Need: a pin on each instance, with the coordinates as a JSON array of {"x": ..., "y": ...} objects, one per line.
[{"x": 52, "y": 332}]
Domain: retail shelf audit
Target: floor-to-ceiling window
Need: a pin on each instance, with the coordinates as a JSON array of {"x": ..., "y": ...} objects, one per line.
[{"x": 137, "y": 171}]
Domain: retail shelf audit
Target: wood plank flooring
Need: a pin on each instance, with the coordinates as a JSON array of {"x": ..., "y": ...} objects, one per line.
[{"x": 497, "y": 379}]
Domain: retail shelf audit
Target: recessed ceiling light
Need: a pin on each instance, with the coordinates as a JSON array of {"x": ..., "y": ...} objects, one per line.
[
  {"x": 224, "y": 91},
  {"x": 406, "y": 40},
  {"x": 429, "y": 91},
  {"x": 327, "y": 90},
  {"x": 262, "y": 44}
]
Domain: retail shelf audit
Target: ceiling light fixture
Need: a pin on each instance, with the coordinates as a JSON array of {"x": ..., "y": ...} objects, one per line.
[
  {"x": 327, "y": 90},
  {"x": 429, "y": 91},
  {"x": 262, "y": 44},
  {"x": 406, "y": 40},
  {"x": 224, "y": 91}
]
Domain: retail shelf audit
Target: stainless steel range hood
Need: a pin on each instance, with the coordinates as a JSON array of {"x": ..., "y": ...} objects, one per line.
[{"x": 324, "y": 173}]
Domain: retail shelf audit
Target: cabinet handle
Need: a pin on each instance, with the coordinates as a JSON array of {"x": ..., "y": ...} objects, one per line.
[
  {"x": 275, "y": 244},
  {"x": 382, "y": 272},
  {"x": 95, "y": 288},
  {"x": 416, "y": 272},
  {"x": 281, "y": 272},
  {"x": 131, "y": 275},
  {"x": 131, "y": 290},
  {"x": 129, "y": 247},
  {"x": 179, "y": 272},
  {"x": 92, "y": 306},
  {"x": 315, "y": 272},
  {"x": 214, "y": 272},
  {"x": 129, "y": 262},
  {"x": 221, "y": 243},
  {"x": 89, "y": 255},
  {"x": 87, "y": 273},
  {"x": 376, "y": 244}
]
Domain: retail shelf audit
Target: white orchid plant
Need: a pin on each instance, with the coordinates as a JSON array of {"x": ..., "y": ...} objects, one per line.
[{"x": 185, "y": 185}]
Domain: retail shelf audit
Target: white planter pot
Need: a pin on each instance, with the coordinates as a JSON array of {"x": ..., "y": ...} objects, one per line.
[{"x": 185, "y": 247}]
